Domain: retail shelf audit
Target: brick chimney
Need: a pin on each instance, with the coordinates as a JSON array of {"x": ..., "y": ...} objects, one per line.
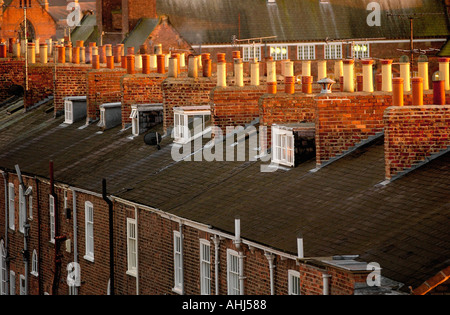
[{"x": 133, "y": 10}]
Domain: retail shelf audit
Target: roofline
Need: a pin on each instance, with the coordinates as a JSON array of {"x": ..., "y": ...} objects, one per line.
[{"x": 384, "y": 41}]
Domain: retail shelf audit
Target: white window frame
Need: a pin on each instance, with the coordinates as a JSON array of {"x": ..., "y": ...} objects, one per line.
[
  {"x": 283, "y": 150},
  {"x": 293, "y": 282},
  {"x": 89, "y": 230},
  {"x": 181, "y": 132},
  {"x": 279, "y": 52},
  {"x": 22, "y": 285},
  {"x": 51, "y": 208},
  {"x": 205, "y": 267},
  {"x": 361, "y": 50},
  {"x": 306, "y": 52},
  {"x": 131, "y": 247},
  {"x": 332, "y": 51},
  {"x": 177, "y": 262},
  {"x": 34, "y": 264},
  {"x": 11, "y": 206},
  {"x": 3, "y": 271},
  {"x": 251, "y": 52},
  {"x": 233, "y": 267},
  {"x": 68, "y": 112},
  {"x": 12, "y": 282},
  {"x": 22, "y": 209},
  {"x": 30, "y": 207}
]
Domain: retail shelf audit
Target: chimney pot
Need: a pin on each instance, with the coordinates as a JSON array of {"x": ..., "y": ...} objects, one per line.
[
  {"x": 417, "y": 91},
  {"x": 110, "y": 62},
  {"x": 349, "y": 85},
  {"x": 386, "y": 71},
  {"x": 130, "y": 64},
  {"x": 239, "y": 72},
  {"x": 367, "y": 81},
  {"x": 160, "y": 64},
  {"x": 307, "y": 84},
  {"x": 145, "y": 64},
  {"x": 397, "y": 93}
]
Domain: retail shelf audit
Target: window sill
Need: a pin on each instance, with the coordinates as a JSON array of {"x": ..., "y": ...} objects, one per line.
[
  {"x": 89, "y": 258},
  {"x": 131, "y": 273},
  {"x": 34, "y": 273},
  {"x": 177, "y": 290}
]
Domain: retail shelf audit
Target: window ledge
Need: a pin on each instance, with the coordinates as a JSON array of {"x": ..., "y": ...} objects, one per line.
[
  {"x": 89, "y": 258},
  {"x": 131, "y": 273},
  {"x": 34, "y": 273},
  {"x": 177, "y": 290}
]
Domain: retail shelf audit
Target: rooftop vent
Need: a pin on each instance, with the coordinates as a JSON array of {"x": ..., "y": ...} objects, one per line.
[
  {"x": 110, "y": 115},
  {"x": 145, "y": 116},
  {"x": 75, "y": 109}
]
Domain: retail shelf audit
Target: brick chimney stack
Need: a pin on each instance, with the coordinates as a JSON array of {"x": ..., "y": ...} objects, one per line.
[{"x": 133, "y": 10}]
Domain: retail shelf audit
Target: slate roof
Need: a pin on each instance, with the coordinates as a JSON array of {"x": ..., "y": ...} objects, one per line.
[
  {"x": 340, "y": 209},
  {"x": 140, "y": 33},
  {"x": 216, "y": 21}
]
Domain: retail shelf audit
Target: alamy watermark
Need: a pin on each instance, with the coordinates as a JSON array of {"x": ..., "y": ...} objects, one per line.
[
  {"x": 374, "y": 17},
  {"x": 74, "y": 17},
  {"x": 236, "y": 144}
]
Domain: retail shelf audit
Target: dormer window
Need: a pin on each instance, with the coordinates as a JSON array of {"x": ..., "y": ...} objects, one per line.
[
  {"x": 75, "y": 109},
  {"x": 293, "y": 143},
  {"x": 110, "y": 115},
  {"x": 191, "y": 122},
  {"x": 145, "y": 116}
]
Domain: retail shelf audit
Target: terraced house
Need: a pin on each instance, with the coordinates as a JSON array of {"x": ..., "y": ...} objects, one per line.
[{"x": 193, "y": 176}]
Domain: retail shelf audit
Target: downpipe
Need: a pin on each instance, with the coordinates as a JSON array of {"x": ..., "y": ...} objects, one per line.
[{"x": 111, "y": 237}]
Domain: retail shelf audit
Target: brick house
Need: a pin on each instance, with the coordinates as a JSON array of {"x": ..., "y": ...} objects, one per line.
[
  {"x": 367, "y": 188},
  {"x": 196, "y": 226}
]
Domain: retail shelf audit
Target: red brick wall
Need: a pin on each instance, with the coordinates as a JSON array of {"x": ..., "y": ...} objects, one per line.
[
  {"x": 413, "y": 133},
  {"x": 70, "y": 81},
  {"x": 235, "y": 106},
  {"x": 346, "y": 119},
  {"x": 282, "y": 108},
  {"x": 103, "y": 86},
  {"x": 11, "y": 73},
  {"x": 40, "y": 83},
  {"x": 140, "y": 89},
  {"x": 185, "y": 92}
]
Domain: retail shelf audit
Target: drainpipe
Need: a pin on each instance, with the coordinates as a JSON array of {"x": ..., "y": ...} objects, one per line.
[
  {"x": 26, "y": 227},
  {"x": 38, "y": 207},
  {"x": 300, "y": 245},
  {"x": 111, "y": 237},
  {"x": 58, "y": 238},
  {"x": 237, "y": 242},
  {"x": 137, "y": 250},
  {"x": 5, "y": 181},
  {"x": 326, "y": 283},
  {"x": 216, "y": 240},
  {"x": 182, "y": 258},
  {"x": 270, "y": 257},
  {"x": 75, "y": 233}
]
